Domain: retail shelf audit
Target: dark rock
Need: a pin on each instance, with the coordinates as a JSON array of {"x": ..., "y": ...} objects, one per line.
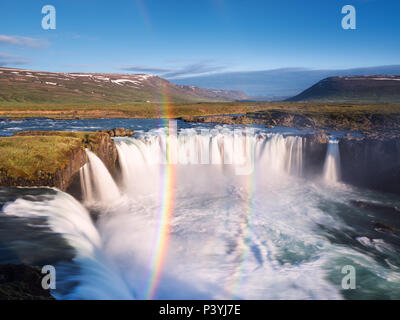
[
  {"x": 22, "y": 282},
  {"x": 371, "y": 163},
  {"x": 122, "y": 132},
  {"x": 315, "y": 145},
  {"x": 376, "y": 207},
  {"x": 364, "y": 162},
  {"x": 384, "y": 226},
  {"x": 219, "y": 119},
  {"x": 319, "y": 136},
  {"x": 118, "y": 132},
  {"x": 282, "y": 119}
]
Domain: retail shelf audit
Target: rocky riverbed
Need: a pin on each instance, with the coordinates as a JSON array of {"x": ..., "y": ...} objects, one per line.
[{"x": 371, "y": 125}]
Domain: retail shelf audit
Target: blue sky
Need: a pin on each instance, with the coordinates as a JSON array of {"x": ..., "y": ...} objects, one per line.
[{"x": 195, "y": 37}]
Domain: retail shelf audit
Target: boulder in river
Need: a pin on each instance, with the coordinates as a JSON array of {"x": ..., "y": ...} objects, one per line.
[{"x": 118, "y": 132}]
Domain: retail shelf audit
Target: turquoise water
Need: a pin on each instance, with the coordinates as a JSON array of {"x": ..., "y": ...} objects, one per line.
[{"x": 274, "y": 234}]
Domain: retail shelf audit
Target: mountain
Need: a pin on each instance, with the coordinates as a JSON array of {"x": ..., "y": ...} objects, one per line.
[
  {"x": 277, "y": 84},
  {"x": 364, "y": 89},
  {"x": 27, "y": 86}
]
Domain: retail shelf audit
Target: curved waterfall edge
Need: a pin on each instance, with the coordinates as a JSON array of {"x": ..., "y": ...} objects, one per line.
[{"x": 350, "y": 161}]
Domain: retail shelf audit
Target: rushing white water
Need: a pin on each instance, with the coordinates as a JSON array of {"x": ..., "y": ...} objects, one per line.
[
  {"x": 98, "y": 277},
  {"x": 332, "y": 163},
  {"x": 228, "y": 225},
  {"x": 218, "y": 215},
  {"x": 245, "y": 223},
  {"x": 219, "y": 150},
  {"x": 96, "y": 182},
  {"x": 86, "y": 184}
]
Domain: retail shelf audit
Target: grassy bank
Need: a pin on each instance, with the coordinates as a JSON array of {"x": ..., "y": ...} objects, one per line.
[
  {"x": 149, "y": 110},
  {"x": 31, "y": 154},
  {"x": 24, "y": 156},
  {"x": 133, "y": 110}
]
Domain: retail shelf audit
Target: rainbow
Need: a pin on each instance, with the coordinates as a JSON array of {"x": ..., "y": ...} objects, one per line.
[
  {"x": 144, "y": 13},
  {"x": 236, "y": 280},
  {"x": 166, "y": 211}
]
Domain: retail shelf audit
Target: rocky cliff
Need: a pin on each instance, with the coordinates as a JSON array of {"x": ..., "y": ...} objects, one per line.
[
  {"x": 371, "y": 163},
  {"x": 59, "y": 165},
  {"x": 59, "y": 178},
  {"x": 365, "y": 162}
]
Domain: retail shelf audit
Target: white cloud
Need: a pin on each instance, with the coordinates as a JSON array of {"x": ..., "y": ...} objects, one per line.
[
  {"x": 22, "y": 41},
  {"x": 199, "y": 68},
  {"x": 11, "y": 60}
]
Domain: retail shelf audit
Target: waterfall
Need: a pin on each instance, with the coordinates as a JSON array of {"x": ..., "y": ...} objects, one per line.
[
  {"x": 86, "y": 183},
  {"x": 140, "y": 158},
  {"x": 283, "y": 154},
  {"x": 96, "y": 182},
  {"x": 99, "y": 277},
  {"x": 295, "y": 155},
  {"x": 332, "y": 163},
  {"x": 222, "y": 216}
]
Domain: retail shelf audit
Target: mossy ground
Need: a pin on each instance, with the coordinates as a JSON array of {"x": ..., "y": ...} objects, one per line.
[
  {"x": 361, "y": 118},
  {"x": 133, "y": 110},
  {"x": 22, "y": 156},
  {"x": 151, "y": 110}
]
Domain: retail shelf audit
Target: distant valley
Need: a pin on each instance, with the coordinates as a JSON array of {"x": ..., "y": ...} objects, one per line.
[{"x": 278, "y": 84}]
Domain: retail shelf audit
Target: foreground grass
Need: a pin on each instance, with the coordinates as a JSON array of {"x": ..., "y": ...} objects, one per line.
[{"x": 24, "y": 156}]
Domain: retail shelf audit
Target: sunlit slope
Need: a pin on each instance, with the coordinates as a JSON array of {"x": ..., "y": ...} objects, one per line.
[
  {"x": 355, "y": 89},
  {"x": 26, "y": 86}
]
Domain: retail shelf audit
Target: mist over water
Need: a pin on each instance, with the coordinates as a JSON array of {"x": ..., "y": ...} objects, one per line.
[{"x": 246, "y": 222}]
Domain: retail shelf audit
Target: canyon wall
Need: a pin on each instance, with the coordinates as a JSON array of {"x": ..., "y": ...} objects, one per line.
[
  {"x": 367, "y": 163},
  {"x": 371, "y": 163}
]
